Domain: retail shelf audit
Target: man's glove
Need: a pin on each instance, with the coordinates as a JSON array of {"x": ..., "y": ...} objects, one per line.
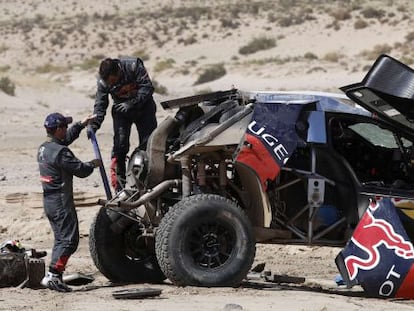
[
  {"x": 96, "y": 162},
  {"x": 123, "y": 107}
]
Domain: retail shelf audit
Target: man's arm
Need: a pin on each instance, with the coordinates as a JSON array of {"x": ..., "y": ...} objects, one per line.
[
  {"x": 69, "y": 163},
  {"x": 101, "y": 104},
  {"x": 74, "y": 131}
]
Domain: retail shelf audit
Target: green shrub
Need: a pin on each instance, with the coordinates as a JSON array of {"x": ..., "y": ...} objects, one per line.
[
  {"x": 50, "y": 68},
  {"x": 360, "y": 24},
  {"x": 257, "y": 44},
  {"x": 92, "y": 63},
  {"x": 332, "y": 57},
  {"x": 310, "y": 56},
  {"x": 158, "y": 88},
  {"x": 341, "y": 14},
  {"x": 164, "y": 65},
  {"x": 7, "y": 86},
  {"x": 376, "y": 51},
  {"x": 409, "y": 37},
  {"x": 211, "y": 73},
  {"x": 372, "y": 13},
  {"x": 141, "y": 53}
]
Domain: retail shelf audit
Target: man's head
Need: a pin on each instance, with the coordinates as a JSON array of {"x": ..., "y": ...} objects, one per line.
[
  {"x": 109, "y": 71},
  {"x": 56, "y": 124}
]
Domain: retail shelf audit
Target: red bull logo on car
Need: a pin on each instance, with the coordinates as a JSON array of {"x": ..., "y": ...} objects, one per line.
[
  {"x": 375, "y": 232},
  {"x": 380, "y": 255}
]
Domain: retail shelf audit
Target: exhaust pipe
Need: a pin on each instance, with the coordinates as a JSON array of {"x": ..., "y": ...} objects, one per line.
[
  {"x": 120, "y": 220},
  {"x": 153, "y": 193}
]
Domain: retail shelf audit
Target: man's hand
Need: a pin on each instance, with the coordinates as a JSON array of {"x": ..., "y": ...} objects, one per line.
[
  {"x": 89, "y": 118},
  {"x": 123, "y": 107},
  {"x": 96, "y": 162}
]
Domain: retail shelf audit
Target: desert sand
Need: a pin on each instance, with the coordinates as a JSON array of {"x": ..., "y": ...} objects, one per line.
[{"x": 50, "y": 51}]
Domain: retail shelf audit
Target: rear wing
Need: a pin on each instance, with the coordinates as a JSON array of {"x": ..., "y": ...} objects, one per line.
[{"x": 213, "y": 98}]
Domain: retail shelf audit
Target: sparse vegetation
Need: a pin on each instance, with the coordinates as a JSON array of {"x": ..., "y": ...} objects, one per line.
[
  {"x": 371, "y": 12},
  {"x": 92, "y": 63},
  {"x": 376, "y": 51},
  {"x": 46, "y": 68},
  {"x": 158, "y": 88},
  {"x": 258, "y": 44},
  {"x": 211, "y": 73},
  {"x": 7, "y": 86},
  {"x": 310, "y": 56},
  {"x": 141, "y": 53},
  {"x": 65, "y": 40},
  {"x": 360, "y": 24},
  {"x": 164, "y": 65},
  {"x": 340, "y": 14},
  {"x": 332, "y": 57}
]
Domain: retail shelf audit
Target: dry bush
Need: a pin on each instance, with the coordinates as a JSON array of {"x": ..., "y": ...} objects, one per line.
[
  {"x": 92, "y": 63},
  {"x": 3, "y": 48},
  {"x": 310, "y": 56},
  {"x": 341, "y": 14},
  {"x": 371, "y": 12},
  {"x": 141, "y": 53},
  {"x": 360, "y": 24},
  {"x": 49, "y": 67},
  {"x": 287, "y": 21},
  {"x": 258, "y": 44},
  {"x": 333, "y": 57},
  {"x": 211, "y": 73},
  {"x": 158, "y": 88},
  {"x": 164, "y": 65},
  {"x": 5, "y": 68},
  {"x": 7, "y": 86},
  {"x": 376, "y": 51},
  {"x": 409, "y": 37}
]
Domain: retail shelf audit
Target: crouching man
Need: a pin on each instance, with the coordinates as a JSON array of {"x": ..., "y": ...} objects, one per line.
[{"x": 57, "y": 165}]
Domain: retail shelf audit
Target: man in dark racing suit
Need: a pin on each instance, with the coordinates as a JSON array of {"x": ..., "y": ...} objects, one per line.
[
  {"x": 57, "y": 165},
  {"x": 131, "y": 89}
]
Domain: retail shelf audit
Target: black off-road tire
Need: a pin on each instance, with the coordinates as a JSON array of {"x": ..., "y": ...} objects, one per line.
[
  {"x": 110, "y": 252},
  {"x": 205, "y": 240}
]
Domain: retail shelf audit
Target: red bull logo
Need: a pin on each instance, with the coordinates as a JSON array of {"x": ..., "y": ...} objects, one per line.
[{"x": 368, "y": 236}]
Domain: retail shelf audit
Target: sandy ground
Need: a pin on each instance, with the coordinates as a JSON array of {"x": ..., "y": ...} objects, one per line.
[
  {"x": 22, "y": 218},
  {"x": 70, "y": 92}
]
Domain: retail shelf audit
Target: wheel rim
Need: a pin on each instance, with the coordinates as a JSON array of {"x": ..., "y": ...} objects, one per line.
[
  {"x": 136, "y": 248},
  {"x": 211, "y": 244}
]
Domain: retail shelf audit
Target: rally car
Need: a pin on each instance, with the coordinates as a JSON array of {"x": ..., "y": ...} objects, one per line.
[{"x": 234, "y": 168}]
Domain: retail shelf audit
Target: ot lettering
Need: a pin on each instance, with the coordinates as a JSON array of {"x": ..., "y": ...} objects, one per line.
[{"x": 387, "y": 287}]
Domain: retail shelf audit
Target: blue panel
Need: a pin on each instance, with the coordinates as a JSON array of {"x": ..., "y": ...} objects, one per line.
[{"x": 317, "y": 127}]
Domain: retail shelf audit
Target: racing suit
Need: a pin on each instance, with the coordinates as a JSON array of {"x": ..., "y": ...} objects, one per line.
[
  {"x": 135, "y": 89},
  {"x": 57, "y": 165}
]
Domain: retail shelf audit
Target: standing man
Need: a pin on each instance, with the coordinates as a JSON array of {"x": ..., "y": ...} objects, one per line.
[
  {"x": 57, "y": 165},
  {"x": 131, "y": 89}
]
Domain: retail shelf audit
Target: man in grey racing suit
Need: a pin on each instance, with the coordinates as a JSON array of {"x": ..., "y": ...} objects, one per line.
[
  {"x": 57, "y": 165},
  {"x": 131, "y": 89}
]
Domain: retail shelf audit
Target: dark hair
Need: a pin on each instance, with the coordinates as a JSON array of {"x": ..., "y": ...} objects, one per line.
[
  {"x": 51, "y": 130},
  {"x": 108, "y": 67}
]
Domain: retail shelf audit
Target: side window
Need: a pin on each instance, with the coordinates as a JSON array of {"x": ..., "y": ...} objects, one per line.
[
  {"x": 376, "y": 154},
  {"x": 375, "y": 134},
  {"x": 379, "y": 136}
]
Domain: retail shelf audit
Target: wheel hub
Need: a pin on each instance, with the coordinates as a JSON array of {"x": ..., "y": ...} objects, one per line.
[{"x": 211, "y": 245}]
